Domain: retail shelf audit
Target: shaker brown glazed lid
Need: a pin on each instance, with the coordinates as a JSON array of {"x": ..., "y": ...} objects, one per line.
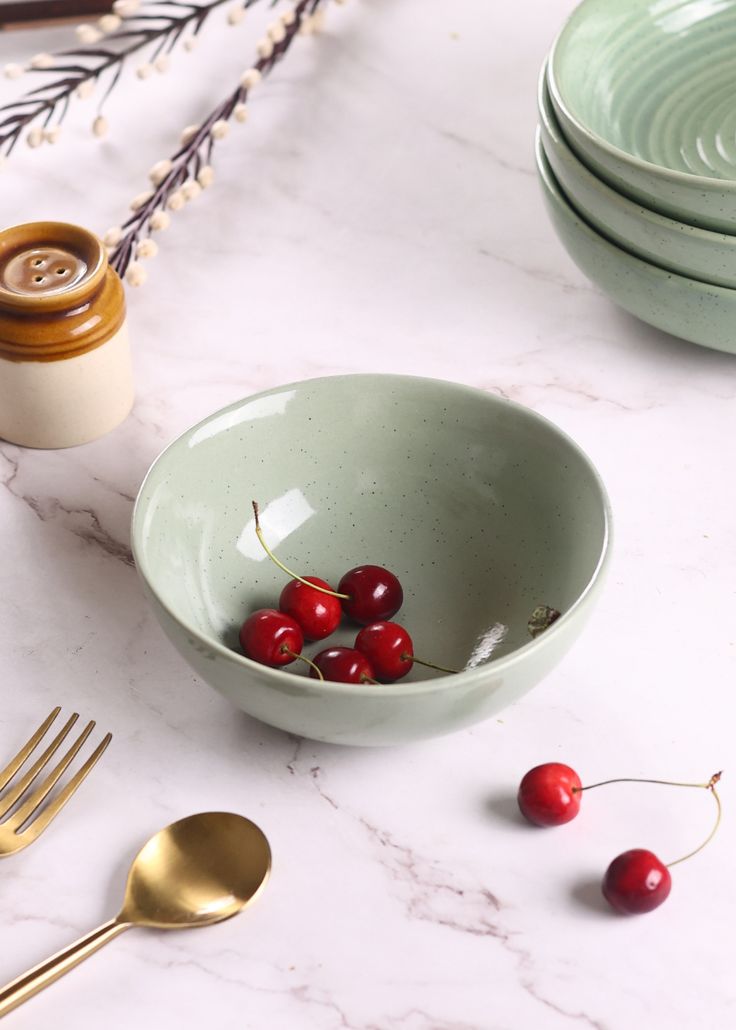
[
  {"x": 58, "y": 295},
  {"x": 48, "y": 266}
]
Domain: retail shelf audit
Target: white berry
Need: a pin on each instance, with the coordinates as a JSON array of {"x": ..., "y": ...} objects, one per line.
[
  {"x": 160, "y": 220},
  {"x": 159, "y": 171},
  {"x": 146, "y": 249},
  {"x": 110, "y": 23},
  {"x": 139, "y": 201},
  {"x": 136, "y": 274},
  {"x": 206, "y": 176},
  {"x": 189, "y": 133},
  {"x": 42, "y": 61},
  {"x": 250, "y": 78},
  {"x": 113, "y": 236}
]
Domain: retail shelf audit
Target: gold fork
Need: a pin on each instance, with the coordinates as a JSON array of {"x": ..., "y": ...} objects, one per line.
[{"x": 16, "y": 829}]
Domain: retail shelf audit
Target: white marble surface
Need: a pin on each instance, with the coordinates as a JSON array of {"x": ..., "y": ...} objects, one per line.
[{"x": 378, "y": 213}]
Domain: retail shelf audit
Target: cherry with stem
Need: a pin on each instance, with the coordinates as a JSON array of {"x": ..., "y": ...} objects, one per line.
[
  {"x": 637, "y": 880},
  {"x": 317, "y": 613},
  {"x": 273, "y": 638},
  {"x": 368, "y": 592},
  {"x": 710, "y": 785},
  {"x": 344, "y": 665},
  {"x": 314, "y": 669},
  {"x": 390, "y": 649},
  {"x": 292, "y": 575}
]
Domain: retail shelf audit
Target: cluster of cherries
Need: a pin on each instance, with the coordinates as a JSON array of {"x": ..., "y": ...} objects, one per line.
[
  {"x": 309, "y": 610},
  {"x": 636, "y": 881}
]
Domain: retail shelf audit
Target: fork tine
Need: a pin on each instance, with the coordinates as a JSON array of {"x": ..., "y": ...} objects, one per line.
[
  {"x": 40, "y": 823},
  {"x": 14, "y": 765},
  {"x": 30, "y": 805},
  {"x": 7, "y": 802}
]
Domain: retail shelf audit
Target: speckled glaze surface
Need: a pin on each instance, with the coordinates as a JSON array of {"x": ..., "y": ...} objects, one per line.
[
  {"x": 644, "y": 91},
  {"x": 686, "y": 249},
  {"x": 695, "y": 311},
  {"x": 482, "y": 508}
]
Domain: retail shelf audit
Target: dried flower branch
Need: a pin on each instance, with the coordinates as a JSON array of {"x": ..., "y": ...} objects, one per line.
[
  {"x": 182, "y": 177},
  {"x": 155, "y": 29}
]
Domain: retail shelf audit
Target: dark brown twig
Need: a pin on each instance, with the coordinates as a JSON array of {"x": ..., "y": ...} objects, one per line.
[
  {"x": 159, "y": 27},
  {"x": 189, "y": 162}
]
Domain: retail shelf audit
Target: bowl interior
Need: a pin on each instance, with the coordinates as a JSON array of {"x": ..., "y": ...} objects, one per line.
[
  {"x": 654, "y": 78},
  {"x": 483, "y": 509}
]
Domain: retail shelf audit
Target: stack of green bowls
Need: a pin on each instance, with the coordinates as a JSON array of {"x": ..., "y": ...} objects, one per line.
[{"x": 636, "y": 152}]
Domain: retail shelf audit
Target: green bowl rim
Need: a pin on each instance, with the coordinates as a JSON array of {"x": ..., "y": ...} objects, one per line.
[
  {"x": 550, "y": 179},
  {"x": 546, "y": 113},
  {"x": 439, "y": 683},
  {"x": 688, "y": 179}
]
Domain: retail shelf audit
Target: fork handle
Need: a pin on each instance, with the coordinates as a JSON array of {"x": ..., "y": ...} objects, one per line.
[{"x": 30, "y": 983}]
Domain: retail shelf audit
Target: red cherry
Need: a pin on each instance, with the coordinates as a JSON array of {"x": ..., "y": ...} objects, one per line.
[
  {"x": 318, "y": 614},
  {"x": 636, "y": 882},
  {"x": 374, "y": 594},
  {"x": 389, "y": 649},
  {"x": 271, "y": 637},
  {"x": 343, "y": 665},
  {"x": 546, "y": 795}
]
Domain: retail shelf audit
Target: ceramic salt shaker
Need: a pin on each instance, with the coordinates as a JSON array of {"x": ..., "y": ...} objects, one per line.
[{"x": 65, "y": 375}]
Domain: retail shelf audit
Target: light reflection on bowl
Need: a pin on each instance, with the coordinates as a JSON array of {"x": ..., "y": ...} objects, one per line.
[{"x": 482, "y": 508}]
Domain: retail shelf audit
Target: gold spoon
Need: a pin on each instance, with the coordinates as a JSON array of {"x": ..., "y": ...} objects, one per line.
[{"x": 197, "y": 871}]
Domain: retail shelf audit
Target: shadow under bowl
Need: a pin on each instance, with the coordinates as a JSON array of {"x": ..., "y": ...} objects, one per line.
[{"x": 482, "y": 508}]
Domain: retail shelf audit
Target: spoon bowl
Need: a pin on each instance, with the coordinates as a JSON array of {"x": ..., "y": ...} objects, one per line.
[
  {"x": 198, "y": 871},
  {"x": 195, "y": 872}
]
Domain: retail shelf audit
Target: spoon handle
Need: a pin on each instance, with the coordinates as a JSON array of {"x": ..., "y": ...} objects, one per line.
[{"x": 30, "y": 983}]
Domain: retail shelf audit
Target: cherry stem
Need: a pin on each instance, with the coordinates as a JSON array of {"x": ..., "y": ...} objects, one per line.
[
  {"x": 293, "y": 575},
  {"x": 406, "y": 657},
  {"x": 710, "y": 785},
  {"x": 636, "y": 779},
  {"x": 367, "y": 679},
  {"x": 303, "y": 658}
]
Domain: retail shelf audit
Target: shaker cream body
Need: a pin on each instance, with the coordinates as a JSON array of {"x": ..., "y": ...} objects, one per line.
[{"x": 65, "y": 375}]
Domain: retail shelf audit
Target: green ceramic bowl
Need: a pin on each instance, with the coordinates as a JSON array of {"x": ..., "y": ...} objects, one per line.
[
  {"x": 482, "y": 508},
  {"x": 644, "y": 91},
  {"x": 688, "y": 308},
  {"x": 686, "y": 249}
]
